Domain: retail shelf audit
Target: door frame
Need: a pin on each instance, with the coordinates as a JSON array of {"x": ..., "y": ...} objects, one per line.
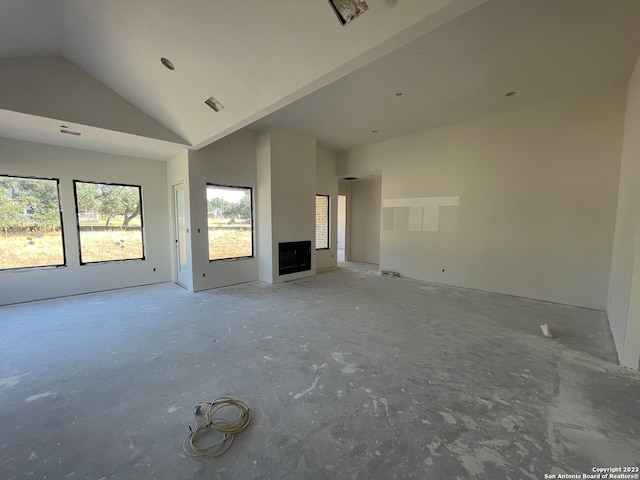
[{"x": 176, "y": 247}]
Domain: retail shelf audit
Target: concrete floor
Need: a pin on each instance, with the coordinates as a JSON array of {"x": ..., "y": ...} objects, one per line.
[{"x": 349, "y": 375}]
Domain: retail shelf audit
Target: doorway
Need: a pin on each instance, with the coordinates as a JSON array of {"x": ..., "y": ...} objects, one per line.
[
  {"x": 342, "y": 228},
  {"x": 180, "y": 236}
]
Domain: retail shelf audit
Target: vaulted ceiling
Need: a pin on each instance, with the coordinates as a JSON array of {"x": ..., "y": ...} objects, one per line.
[{"x": 94, "y": 66}]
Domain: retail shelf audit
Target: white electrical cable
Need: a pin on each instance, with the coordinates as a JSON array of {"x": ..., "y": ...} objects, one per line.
[{"x": 207, "y": 422}]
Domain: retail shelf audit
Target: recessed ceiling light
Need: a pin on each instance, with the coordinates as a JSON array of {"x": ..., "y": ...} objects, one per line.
[
  {"x": 167, "y": 63},
  {"x": 213, "y": 103},
  {"x": 375, "y": 131},
  {"x": 509, "y": 94}
]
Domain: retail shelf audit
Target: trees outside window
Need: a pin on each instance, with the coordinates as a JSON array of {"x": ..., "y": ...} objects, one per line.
[
  {"x": 230, "y": 222},
  {"x": 30, "y": 223},
  {"x": 110, "y": 224}
]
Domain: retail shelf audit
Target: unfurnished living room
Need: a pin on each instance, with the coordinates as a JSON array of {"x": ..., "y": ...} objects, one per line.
[{"x": 319, "y": 239}]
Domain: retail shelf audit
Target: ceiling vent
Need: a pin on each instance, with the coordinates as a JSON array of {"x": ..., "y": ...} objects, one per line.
[
  {"x": 70, "y": 132},
  {"x": 213, "y": 103},
  {"x": 348, "y": 10},
  {"x": 349, "y": 178}
]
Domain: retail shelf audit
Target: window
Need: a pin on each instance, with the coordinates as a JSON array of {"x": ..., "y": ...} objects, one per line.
[
  {"x": 322, "y": 222},
  {"x": 109, "y": 222},
  {"x": 30, "y": 223},
  {"x": 230, "y": 222}
]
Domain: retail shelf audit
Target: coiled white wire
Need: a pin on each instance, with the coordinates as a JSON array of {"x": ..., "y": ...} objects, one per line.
[{"x": 207, "y": 421}]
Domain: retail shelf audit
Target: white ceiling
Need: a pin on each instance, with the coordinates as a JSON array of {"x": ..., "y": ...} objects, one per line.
[
  {"x": 291, "y": 63},
  {"x": 21, "y": 126},
  {"x": 31, "y": 27},
  {"x": 542, "y": 49}
]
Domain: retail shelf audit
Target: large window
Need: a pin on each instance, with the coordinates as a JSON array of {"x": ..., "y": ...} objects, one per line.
[
  {"x": 322, "y": 222},
  {"x": 30, "y": 223},
  {"x": 230, "y": 222},
  {"x": 109, "y": 222}
]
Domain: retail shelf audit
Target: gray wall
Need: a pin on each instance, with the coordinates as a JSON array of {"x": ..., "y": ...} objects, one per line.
[
  {"x": 537, "y": 195},
  {"x": 327, "y": 184},
  {"x": 230, "y": 161},
  {"x": 37, "y": 160},
  {"x": 364, "y": 220},
  {"x": 286, "y": 172},
  {"x": 623, "y": 306}
]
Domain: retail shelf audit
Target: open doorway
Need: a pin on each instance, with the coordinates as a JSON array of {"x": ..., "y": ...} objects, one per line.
[
  {"x": 180, "y": 236},
  {"x": 342, "y": 228}
]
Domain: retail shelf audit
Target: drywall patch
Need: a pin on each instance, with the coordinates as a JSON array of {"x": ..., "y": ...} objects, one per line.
[{"x": 424, "y": 214}]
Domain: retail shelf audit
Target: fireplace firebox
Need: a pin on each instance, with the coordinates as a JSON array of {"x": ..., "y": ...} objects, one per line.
[{"x": 294, "y": 257}]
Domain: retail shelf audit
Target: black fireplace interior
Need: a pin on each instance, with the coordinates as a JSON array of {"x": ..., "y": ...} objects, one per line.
[{"x": 294, "y": 257}]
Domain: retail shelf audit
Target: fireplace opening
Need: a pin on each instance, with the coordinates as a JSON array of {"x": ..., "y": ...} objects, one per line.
[{"x": 294, "y": 257}]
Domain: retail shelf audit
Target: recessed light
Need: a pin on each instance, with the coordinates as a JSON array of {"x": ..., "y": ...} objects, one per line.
[
  {"x": 375, "y": 131},
  {"x": 213, "y": 103},
  {"x": 167, "y": 63},
  {"x": 509, "y": 94}
]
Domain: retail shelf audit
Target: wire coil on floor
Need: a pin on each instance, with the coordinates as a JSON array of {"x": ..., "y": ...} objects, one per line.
[{"x": 207, "y": 423}]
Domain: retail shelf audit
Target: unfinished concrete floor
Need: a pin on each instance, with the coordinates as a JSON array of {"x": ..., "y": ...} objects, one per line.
[{"x": 349, "y": 375}]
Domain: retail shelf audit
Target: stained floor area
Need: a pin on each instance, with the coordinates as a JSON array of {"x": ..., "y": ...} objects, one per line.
[{"x": 349, "y": 375}]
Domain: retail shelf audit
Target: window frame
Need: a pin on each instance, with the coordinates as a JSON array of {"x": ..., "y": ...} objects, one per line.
[
  {"x": 64, "y": 244},
  {"x": 98, "y": 262},
  {"x": 328, "y": 247},
  {"x": 253, "y": 246}
]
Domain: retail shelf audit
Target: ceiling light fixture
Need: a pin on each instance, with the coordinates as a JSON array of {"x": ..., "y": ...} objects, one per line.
[
  {"x": 509, "y": 94},
  {"x": 167, "y": 63},
  {"x": 348, "y": 10},
  {"x": 215, "y": 104}
]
